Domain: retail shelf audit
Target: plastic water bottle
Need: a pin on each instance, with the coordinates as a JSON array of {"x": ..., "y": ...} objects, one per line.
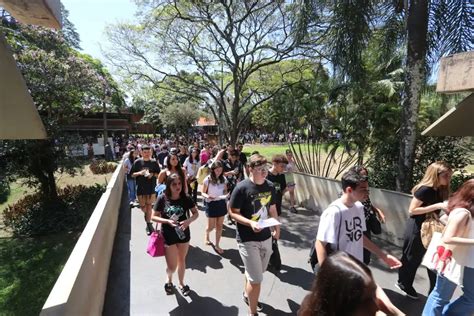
[
  {"x": 180, "y": 232},
  {"x": 177, "y": 229}
]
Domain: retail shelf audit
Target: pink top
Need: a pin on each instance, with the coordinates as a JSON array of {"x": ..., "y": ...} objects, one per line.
[{"x": 204, "y": 157}]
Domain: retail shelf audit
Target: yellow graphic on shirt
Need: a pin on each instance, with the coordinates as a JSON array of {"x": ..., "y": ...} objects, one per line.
[{"x": 262, "y": 213}]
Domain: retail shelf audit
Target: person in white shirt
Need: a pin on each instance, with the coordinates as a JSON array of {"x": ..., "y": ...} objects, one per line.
[
  {"x": 214, "y": 191},
  {"x": 342, "y": 224}
]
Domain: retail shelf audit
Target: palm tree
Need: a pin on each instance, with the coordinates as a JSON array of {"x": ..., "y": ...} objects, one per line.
[{"x": 428, "y": 29}]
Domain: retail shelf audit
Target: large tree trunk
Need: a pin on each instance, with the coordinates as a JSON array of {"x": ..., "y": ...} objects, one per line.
[{"x": 415, "y": 75}]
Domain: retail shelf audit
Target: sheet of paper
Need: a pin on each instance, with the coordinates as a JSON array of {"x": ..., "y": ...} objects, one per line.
[{"x": 269, "y": 222}]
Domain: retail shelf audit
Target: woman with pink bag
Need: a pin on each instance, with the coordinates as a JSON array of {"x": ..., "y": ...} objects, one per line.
[
  {"x": 460, "y": 232},
  {"x": 172, "y": 210}
]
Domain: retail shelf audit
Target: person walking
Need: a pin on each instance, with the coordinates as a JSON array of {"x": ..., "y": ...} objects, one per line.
[
  {"x": 459, "y": 233},
  {"x": 192, "y": 165},
  {"x": 214, "y": 191},
  {"x": 172, "y": 211},
  {"x": 428, "y": 197},
  {"x": 131, "y": 185},
  {"x": 253, "y": 200},
  {"x": 342, "y": 224},
  {"x": 145, "y": 170},
  {"x": 290, "y": 179}
]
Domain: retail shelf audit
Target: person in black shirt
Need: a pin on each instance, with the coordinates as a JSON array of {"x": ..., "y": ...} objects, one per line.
[
  {"x": 145, "y": 170},
  {"x": 252, "y": 200},
  {"x": 172, "y": 211},
  {"x": 162, "y": 155},
  {"x": 277, "y": 177},
  {"x": 428, "y": 197},
  {"x": 233, "y": 170},
  {"x": 243, "y": 158}
]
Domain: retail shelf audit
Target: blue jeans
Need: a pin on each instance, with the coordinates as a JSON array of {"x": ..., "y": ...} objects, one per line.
[
  {"x": 132, "y": 190},
  {"x": 438, "y": 304}
]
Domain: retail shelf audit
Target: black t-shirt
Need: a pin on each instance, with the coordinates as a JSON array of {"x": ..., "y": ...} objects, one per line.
[
  {"x": 279, "y": 183},
  {"x": 243, "y": 158},
  {"x": 161, "y": 157},
  {"x": 145, "y": 186},
  {"x": 428, "y": 196},
  {"x": 236, "y": 166},
  {"x": 253, "y": 201},
  {"x": 182, "y": 158},
  {"x": 168, "y": 207}
]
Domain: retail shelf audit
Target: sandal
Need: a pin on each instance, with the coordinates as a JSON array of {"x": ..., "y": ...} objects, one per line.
[
  {"x": 185, "y": 290},
  {"x": 169, "y": 288},
  {"x": 208, "y": 242},
  {"x": 219, "y": 250}
]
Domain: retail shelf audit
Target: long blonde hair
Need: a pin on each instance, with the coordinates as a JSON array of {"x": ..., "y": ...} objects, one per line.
[{"x": 431, "y": 179}]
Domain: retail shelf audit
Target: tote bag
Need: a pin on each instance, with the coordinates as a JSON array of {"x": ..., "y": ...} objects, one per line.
[
  {"x": 441, "y": 259},
  {"x": 156, "y": 244}
]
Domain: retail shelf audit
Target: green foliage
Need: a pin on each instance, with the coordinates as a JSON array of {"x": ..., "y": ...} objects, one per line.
[
  {"x": 33, "y": 215},
  {"x": 29, "y": 268},
  {"x": 63, "y": 84},
  {"x": 101, "y": 166},
  {"x": 452, "y": 150}
]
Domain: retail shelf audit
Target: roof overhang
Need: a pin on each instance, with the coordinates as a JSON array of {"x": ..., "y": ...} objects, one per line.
[
  {"x": 19, "y": 118},
  {"x": 37, "y": 12},
  {"x": 459, "y": 121}
]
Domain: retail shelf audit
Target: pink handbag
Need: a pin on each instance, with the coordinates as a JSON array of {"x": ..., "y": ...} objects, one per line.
[{"x": 156, "y": 244}]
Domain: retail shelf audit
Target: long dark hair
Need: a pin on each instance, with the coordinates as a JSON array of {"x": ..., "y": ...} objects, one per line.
[
  {"x": 131, "y": 156},
  {"x": 169, "y": 182},
  {"x": 339, "y": 288},
  {"x": 179, "y": 168},
  {"x": 214, "y": 166},
  {"x": 191, "y": 159}
]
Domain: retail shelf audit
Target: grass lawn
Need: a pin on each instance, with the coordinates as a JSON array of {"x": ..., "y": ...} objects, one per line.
[
  {"x": 29, "y": 268},
  {"x": 265, "y": 150}
]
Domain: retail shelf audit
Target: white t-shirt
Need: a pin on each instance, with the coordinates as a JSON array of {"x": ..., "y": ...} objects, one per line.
[
  {"x": 352, "y": 223},
  {"x": 214, "y": 189},
  {"x": 464, "y": 255},
  {"x": 192, "y": 168}
]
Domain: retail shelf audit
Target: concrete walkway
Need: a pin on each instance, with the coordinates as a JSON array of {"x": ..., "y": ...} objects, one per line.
[{"x": 136, "y": 280}]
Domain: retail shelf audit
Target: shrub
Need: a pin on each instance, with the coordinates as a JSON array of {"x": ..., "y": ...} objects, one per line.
[
  {"x": 102, "y": 167},
  {"x": 34, "y": 216},
  {"x": 4, "y": 190}
]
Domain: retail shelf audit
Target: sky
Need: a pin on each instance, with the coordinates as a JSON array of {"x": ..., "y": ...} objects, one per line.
[{"x": 90, "y": 18}]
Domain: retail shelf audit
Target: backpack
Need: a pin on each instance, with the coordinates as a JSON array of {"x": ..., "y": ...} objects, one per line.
[{"x": 202, "y": 173}]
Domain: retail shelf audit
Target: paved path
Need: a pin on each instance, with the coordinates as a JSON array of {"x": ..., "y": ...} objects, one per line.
[{"x": 136, "y": 280}]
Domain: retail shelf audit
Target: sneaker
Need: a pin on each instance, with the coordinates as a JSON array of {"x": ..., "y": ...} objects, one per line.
[
  {"x": 293, "y": 210},
  {"x": 149, "y": 228},
  {"x": 409, "y": 291},
  {"x": 246, "y": 301},
  {"x": 185, "y": 290}
]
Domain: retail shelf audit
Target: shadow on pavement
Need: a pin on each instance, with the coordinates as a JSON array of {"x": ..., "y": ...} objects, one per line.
[
  {"x": 269, "y": 310},
  {"x": 295, "y": 276},
  {"x": 117, "y": 295},
  {"x": 200, "y": 305},
  {"x": 405, "y": 304},
  {"x": 201, "y": 260},
  {"x": 234, "y": 258}
]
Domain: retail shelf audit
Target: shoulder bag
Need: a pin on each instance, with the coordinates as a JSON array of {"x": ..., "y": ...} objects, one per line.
[
  {"x": 156, "y": 244},
  {"x": 430, "y": 225}
]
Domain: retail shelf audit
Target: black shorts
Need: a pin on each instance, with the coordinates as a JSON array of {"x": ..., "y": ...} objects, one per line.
[
  {"x": 216, "y": 208},
  {"x": 171, "y": 238}
]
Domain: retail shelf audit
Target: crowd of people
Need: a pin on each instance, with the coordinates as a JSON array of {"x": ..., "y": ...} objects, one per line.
[{"x": 163, "y": 180}]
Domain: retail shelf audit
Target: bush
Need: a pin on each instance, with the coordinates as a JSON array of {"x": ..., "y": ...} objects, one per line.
[
  {"x": 102, "y": 167},
  {"x": 34, "y": 216},
  {"x": 453, "y": 150}
]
